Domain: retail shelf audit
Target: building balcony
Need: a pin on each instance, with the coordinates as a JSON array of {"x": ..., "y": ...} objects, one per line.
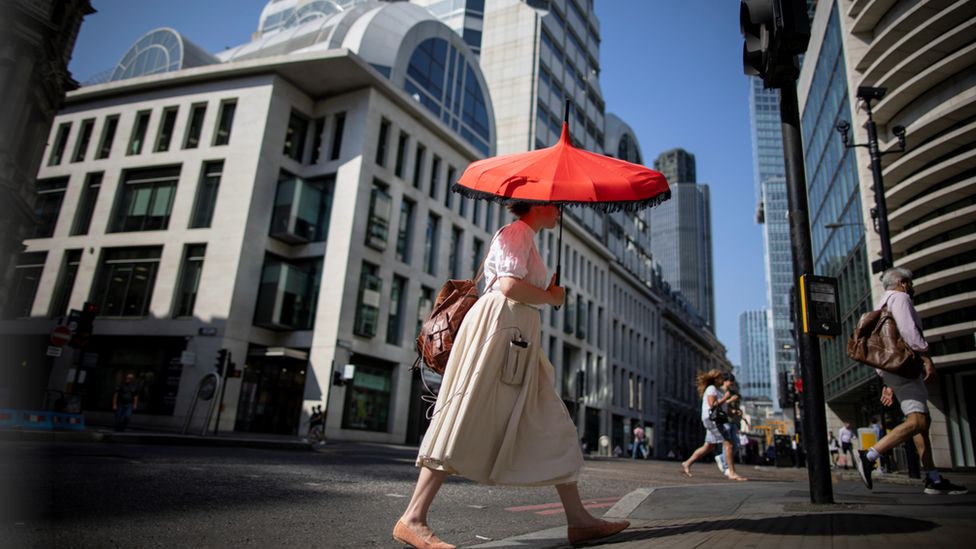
[
  {"x": 907, "y": 189},
  {"x": 946, "y": 304},
  {"x": 930, "y": 151},
  {"x": 930, "y": 202},
  {"x": 921, "y": 233},
  {"x": 944, "y": 277},
  {"x": 867, "y": 13},
  {"x": 931, "y": 76},
  {"x": 953, "y": 330},
  {"x": 956, "y": 359},
  {"x": 935, "y": 253}
]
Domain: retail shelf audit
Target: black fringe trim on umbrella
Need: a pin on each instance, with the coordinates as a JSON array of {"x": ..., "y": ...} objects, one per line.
[{"x": 608, "y": 207}]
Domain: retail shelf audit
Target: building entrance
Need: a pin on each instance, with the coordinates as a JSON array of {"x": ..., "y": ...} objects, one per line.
[{"x": 271, "y": 395}]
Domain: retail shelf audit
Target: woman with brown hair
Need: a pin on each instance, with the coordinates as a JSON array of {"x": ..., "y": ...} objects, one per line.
[
  {"x": 498, "y": 419},
  {"x": 712, "y": 397}
]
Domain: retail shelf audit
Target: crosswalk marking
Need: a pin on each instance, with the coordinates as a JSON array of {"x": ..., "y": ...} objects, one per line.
[{"x": 545, "y": 509}]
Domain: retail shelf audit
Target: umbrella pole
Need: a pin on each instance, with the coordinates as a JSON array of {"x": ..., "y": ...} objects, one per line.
[{"x": 559, "y": 250}]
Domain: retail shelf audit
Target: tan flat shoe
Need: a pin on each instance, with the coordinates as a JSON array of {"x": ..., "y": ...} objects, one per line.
[
  {"x": 405, "y": 535},
  {"x": 607, "y": 529}
]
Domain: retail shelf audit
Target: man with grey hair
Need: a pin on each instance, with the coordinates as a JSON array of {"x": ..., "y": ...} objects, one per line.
[{"x": 911, "y": 393}]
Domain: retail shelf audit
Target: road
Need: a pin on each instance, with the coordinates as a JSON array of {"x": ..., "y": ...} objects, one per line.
[{"x": 103, "y": 495}]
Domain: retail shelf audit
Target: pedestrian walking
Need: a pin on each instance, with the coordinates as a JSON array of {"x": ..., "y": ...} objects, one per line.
[
  {"x": 712, "y": 398},
  {"x": 639, "y": 443},
  {"x": 496, "y": 424},
  {"x": 124, "y": 401},
  {"x": 834, "y": 445},
  {"x": 910, "y": 392},
  {"x": 846, "y": 435}
]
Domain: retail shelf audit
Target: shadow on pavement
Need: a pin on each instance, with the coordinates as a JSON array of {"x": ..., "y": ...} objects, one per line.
[{"x": 828, "y": 524}]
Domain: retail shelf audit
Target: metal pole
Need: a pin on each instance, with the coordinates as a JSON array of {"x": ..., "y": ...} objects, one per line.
[
  {"x": 223, "y": 389},
  {"x": 879, "y": 190},
  {"x": 814, "y": 414}
]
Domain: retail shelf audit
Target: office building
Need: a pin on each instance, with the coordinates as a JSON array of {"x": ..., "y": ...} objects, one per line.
[
  {"x": 753, "y": 374},
  {"x": 922, "y": 54}
]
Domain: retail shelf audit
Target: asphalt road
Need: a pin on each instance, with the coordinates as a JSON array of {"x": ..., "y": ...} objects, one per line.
[
  {"x": 103, "y": 495},
  {"x": 344, "y": 495}
]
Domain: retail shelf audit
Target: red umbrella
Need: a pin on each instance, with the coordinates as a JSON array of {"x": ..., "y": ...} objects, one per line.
[{"x": 564, "y": 175}]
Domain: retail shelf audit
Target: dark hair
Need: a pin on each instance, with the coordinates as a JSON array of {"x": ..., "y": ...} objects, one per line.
[{"x": 519, "y": 209}]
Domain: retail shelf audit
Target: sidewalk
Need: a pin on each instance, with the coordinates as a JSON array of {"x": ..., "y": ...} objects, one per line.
[
  {"x": 237, "y": 440},
  {"x": 779, "y": 514}
]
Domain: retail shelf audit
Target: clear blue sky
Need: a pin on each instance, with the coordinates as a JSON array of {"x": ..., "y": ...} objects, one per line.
[{"x": 671, "y": 69}]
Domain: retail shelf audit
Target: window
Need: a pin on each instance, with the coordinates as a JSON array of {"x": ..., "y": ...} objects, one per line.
[
  {"x": 382, "y": 143},
  {"x": 288, "y": 294},
  {"x": 108, "y": 136},
  {"x": 224, "y": 122},
  {"x": 401, "y": 154},
  {"x": 430, "y": 243},
  {"x": 489, "y": 213},
  {"x": 477, "y": 249},
  {"x": 337, "y": 130},
  {"x": 86, "y": 205},
  {"x": 378, "y": 229},
  {"x": 317, "y": 130},
  {"x": 367, "y": 404},
  {"x": 166, "y": 125},
  {"x": 60, "y": 142},
  {"x": 206, "y": 199},
  {"x": 368, "y": 308},
  {"x": 186, "y": 292},
  {"x": 435, "y": 172},
  {"x": 145, "y": 200},
  {"x": 454, "y": 260},
  {"x": 27, "y": 276},
  {"x": 394, "y": 324},
  {"x": 448, "y": 193},
  {"x": 84, "y": 138},
  {"x": 125, "y": 280},
  {"x": 194, "y": 126},
  {"x": 418, "y": 165},
  {"x": 462, "y": 206},
  {"x": 65, "y": 284},
  {"x": 295, "y": 137},
  {"x": 47, "y": 205},
  {"x": 404, "y": 229},
  {"x": 476, "y": 212},
  {"x": 570, "y": 314},
  {"x": 138, "y": 132},
  {"x": 302, "y": 209},
  {"x": 424, "y": 306}
]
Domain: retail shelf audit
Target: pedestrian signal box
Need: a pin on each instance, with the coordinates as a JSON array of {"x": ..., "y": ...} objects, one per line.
[{"x": 818, "y": 305}]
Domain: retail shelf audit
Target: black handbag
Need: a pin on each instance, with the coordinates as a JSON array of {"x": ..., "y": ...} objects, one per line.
[{"x": 718, "y": 415}]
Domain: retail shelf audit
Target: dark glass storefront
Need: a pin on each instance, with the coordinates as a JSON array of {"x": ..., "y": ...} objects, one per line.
[
  {"x": 271, "y": 397},
  {"x": 155, "y": 362}
]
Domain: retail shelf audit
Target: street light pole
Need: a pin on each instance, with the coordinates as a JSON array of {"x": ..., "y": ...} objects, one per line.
[{"x": 879, "y": 213}]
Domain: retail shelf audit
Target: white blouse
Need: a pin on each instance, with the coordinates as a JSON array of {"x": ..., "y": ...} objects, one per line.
[{"x": 513, "y": 253}]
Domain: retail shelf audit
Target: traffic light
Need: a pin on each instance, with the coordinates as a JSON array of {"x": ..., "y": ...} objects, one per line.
[
  {"x": 85, "y": 320},
  {"x": 775, "y": 32},
  {"x": 221, "y": 360},
  {"x": 786, "y": 388}
]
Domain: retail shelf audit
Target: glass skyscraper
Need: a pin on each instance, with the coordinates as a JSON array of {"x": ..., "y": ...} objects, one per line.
[
  {"x": 770, "y": 189},
  {"x": 834, "y": 198},
  {"x": 753, "y": 375}
]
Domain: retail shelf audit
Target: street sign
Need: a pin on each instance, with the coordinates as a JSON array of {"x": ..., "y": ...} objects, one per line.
[
  {"x": 60, "y": 336},
  {"x": 54, "y": 350}
]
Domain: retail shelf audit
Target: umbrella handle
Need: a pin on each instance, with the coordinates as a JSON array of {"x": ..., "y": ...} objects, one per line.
[{"x": 559, "y": 247}]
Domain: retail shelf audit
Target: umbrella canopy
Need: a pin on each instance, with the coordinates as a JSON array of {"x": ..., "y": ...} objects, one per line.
[{"x": 564, "y": 175}]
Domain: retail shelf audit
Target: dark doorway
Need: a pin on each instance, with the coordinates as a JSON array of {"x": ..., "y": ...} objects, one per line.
[{"x": 271, "y": 395}]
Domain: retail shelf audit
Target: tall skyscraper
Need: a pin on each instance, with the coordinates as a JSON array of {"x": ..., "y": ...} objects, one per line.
[
  {"x": 677, "y": 165},
  {"x": 753, "y": 375},
  {"x": 770, "y": 188},
  {"x": 681, "y": 234}
]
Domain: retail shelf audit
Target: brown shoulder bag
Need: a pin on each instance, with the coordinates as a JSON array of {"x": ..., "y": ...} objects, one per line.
[
  {"x": 876, "y": 342},
  {"x": 453, "y": 301}
]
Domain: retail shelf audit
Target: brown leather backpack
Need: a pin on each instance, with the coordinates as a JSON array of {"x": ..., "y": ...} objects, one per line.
[
  {"x": 876, "y": 342},
  {"x": 456, "y": 297}
]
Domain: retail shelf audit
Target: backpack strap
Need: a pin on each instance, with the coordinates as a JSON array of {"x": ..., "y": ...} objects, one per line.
[{"x": 481, "y": 268}]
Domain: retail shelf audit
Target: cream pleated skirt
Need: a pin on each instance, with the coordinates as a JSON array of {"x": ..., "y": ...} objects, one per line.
[{"x": 489, "y": 429}]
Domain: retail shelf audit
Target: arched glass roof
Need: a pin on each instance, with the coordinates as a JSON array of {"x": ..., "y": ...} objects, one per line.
[
  {"x": 158, "y": 51},
  {"x": 443, "y": 80}
]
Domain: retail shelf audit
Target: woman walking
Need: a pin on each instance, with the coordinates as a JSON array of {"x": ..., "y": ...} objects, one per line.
[
  {"x": 498, "y": 419},
  {"x": 712, "y": 397}
]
